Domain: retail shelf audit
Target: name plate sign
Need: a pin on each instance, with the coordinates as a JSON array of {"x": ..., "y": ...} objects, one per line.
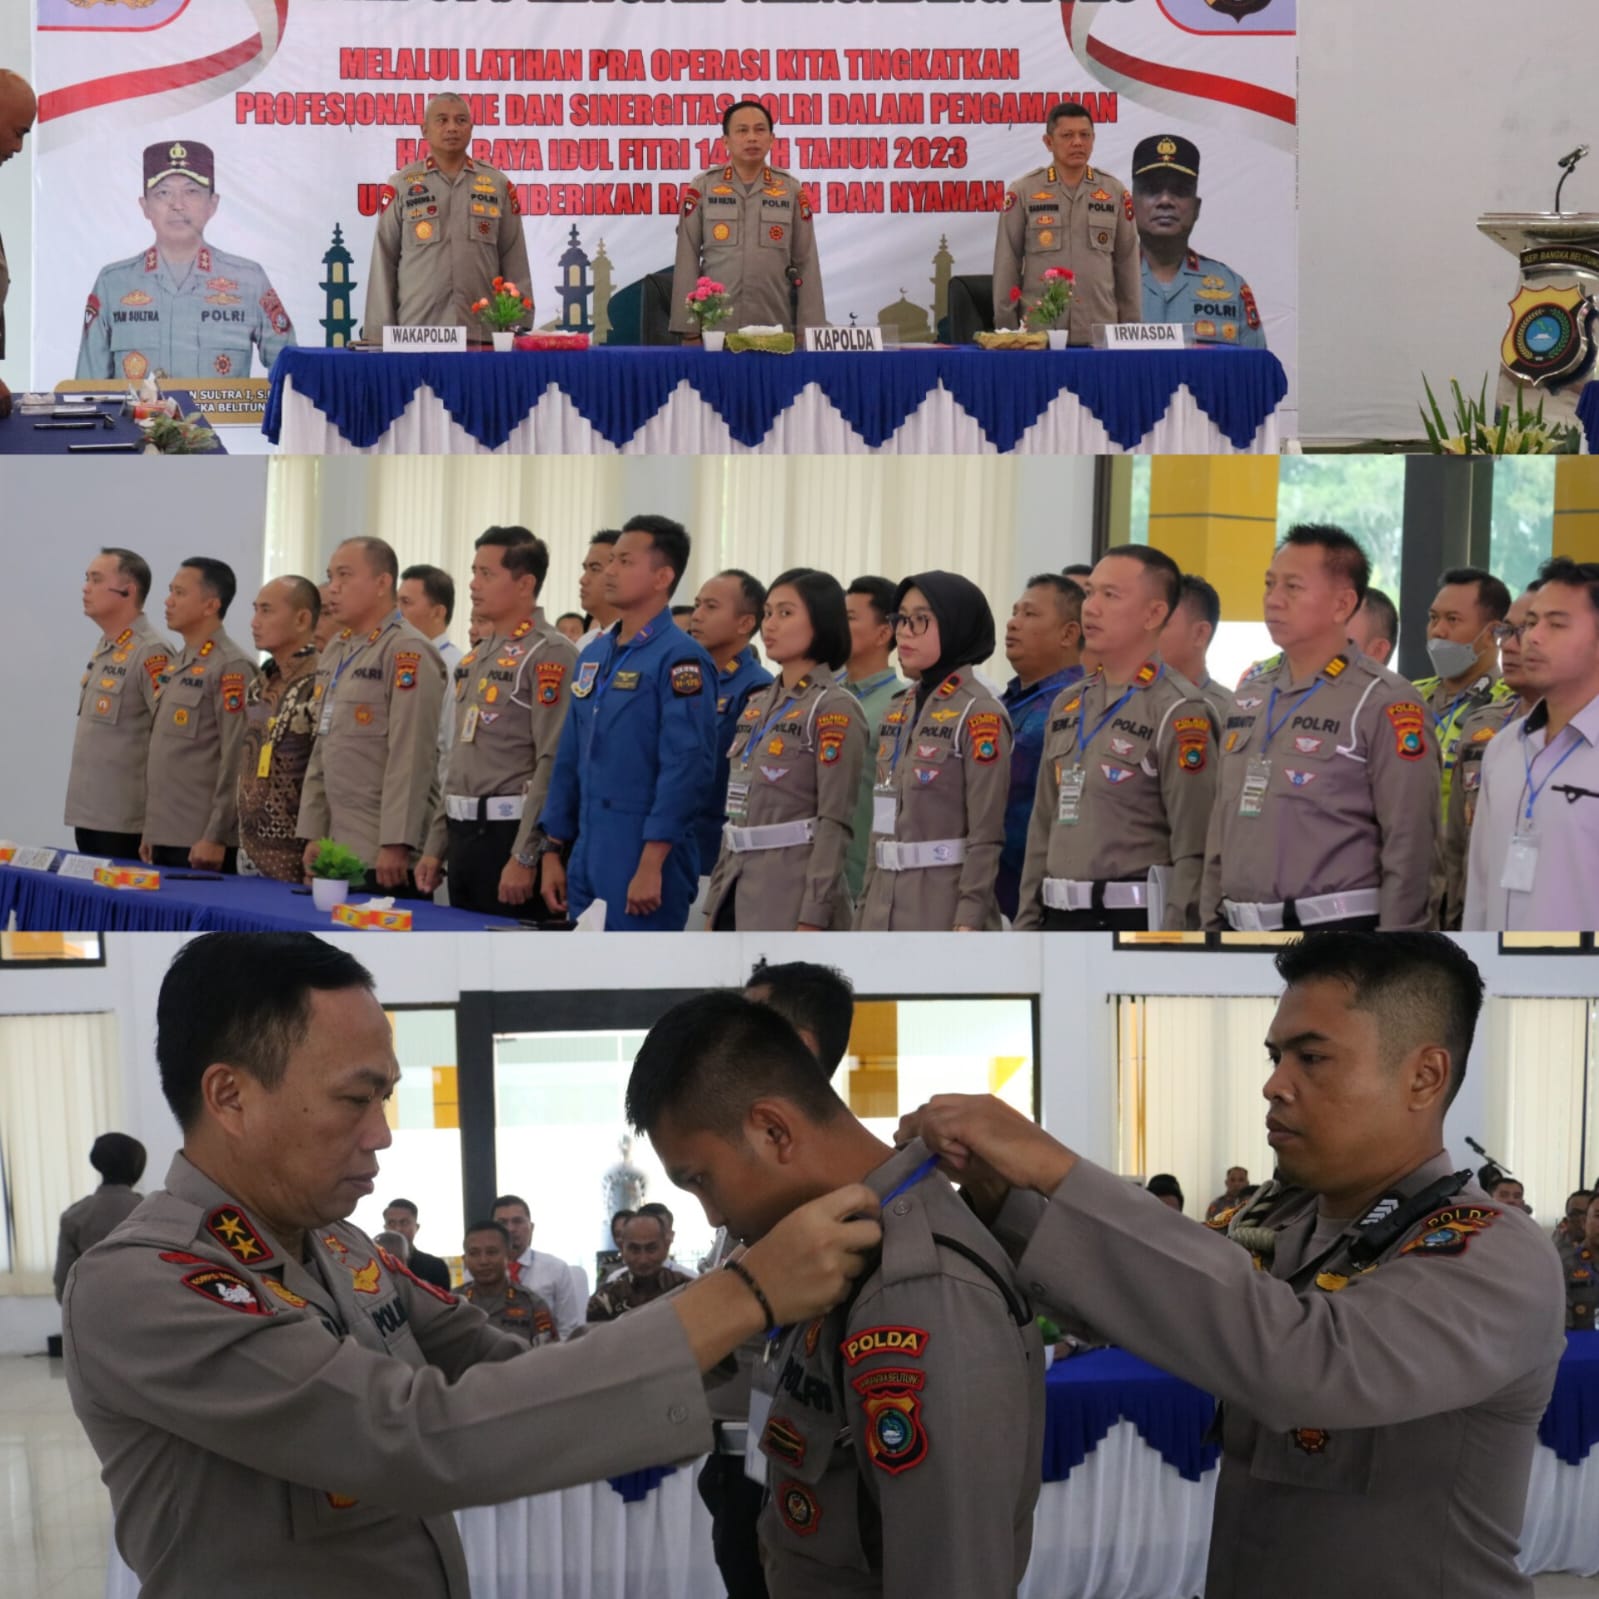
[{"x": 408, "y": 341}]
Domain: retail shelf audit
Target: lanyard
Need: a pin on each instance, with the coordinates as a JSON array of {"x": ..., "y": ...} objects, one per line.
[
  {"x": 1037, "y": 690},
  {"x": 1534, "y": 790},
  {"x": 1274, "y": 728},
  {"x": 350, "y": 654},
  {"x": 766, "y": 727},
  {"x": 1099, "y": 726}
]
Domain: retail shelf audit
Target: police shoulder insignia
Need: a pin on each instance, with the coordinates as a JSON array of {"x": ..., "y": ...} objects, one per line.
[
  {"x": 982, "y": 729},
  {"x": 906, "y": 1342},
  {"x": 832, "y": 719},
  {"x": 511, "y": 198},
  {"x": 1127, "y": 204},
  {"x": 1146, "y": 674},
  {"x": 947, "y": 688},
  {"x": 1336, "y": 667},
  {"x": 223, "y": 1286},
  {"x": 1222, "y": 1220},
  {"x": 1448, "y": 1232},
  {"x": 406, "y": 663},
  {"x": 1408, "y": 718},
  {"x": 830, "y": 745},
  {"x": 1010, "y": 199},
  {"x": 797, "y": 1505},
  {"x": 896, "y": 1439},
  {"x": 550, "y": 674},
  {"x": 398, "y": 1268},
  {"x": 233, "y": 692},
  {"x": 1251, "y": 310},
  {"x": 386, "y": 196},
  {"x": 155, "y": 665},
  {"x": 272, "y": 309},
  {"x": 691, "y": 198},
  {"x": 231, "y": 1228},
  {"x": 804, "y": 207},
  {"x": 287, "y": 1295},
  {"x": 783, "y": 1441},
  {"x": 1193, "y": 742},
  {"x": 687, "y": 679}
]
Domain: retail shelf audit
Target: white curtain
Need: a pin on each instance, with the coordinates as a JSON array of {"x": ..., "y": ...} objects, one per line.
[
  {"x": 1189, "y": 1075},
  {"x": 1538, "y": 1073},
  {"x": 60, "y": 1088}
]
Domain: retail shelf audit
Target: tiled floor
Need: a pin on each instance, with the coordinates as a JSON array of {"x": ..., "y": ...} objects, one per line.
[{"x": 55, "y": 1518}]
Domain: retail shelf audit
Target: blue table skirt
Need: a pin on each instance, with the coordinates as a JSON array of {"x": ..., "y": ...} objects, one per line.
[
  {"x": 618, "y": 390},
  {"x": 1570, "y": 1425},
  {"x": 47, "y": 903},
  {"x": 638, "y": 1485},
  {"x": 1588, "y": 415},
  {"x": 18, "y": 436}
]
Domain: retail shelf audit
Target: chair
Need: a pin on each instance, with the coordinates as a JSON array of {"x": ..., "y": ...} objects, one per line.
[
  {"x": 971, "y": 308},
  {"x": 641, "y": 311}
]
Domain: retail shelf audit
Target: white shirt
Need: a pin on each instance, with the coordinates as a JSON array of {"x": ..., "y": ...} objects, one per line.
[
  {"x": 1565, "y": 824},
  {"x": 451, "y": 652},
  {"x": 551, "y": 1279}
]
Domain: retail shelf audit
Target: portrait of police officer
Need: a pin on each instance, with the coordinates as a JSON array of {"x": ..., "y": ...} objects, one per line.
[
  {"x": 447, "y": 227},
  {"x": 1073, "y": 215},
  {"x": 1179, "y": 284},
  {"x": 1368, "y": 1316},
  {"x": 240, "y": 1356},
  {"x": 748, "y": 225},
  {"x": 182, "y": 308}
]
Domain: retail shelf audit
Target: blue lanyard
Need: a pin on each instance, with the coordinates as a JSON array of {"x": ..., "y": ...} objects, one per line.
[
  {"x": 1533, "y": 791},
  {"x": 1027, "y": 699},
  {"x": 349, "y": 655},
  {"x": 1099, "y": 726},
  {"x": 760, "y": 737},
  {"x": 1274, "y": 728}
]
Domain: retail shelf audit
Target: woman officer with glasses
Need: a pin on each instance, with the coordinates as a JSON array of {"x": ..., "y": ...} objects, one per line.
[{"x": 943, "y": 770}]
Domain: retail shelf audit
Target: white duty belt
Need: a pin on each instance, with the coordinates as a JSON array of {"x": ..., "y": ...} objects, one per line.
[
  {"x": 896, "y": 857},
  {"x": 1067, "y": 894},
  {"x": 775, "y": 835},
  {"x": 472, "y": 808},
  {"x": 1311, "y": 911}
]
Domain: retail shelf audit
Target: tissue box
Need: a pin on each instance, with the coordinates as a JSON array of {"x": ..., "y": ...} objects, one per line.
[
  {"x": 377, "y": 921},
  {"x": 7, "y": 851},
  {"x": 127, "y": 877}
]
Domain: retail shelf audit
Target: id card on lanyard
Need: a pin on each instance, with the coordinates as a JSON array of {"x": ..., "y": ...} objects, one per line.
[
  {"x": 1521, "y": 859},
  {"x": 1073, "y": 778},
  {"x": 1257, "y": 773}
]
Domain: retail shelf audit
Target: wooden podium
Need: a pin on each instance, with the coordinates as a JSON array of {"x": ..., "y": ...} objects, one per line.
[{"x": 1547, "y": 352}]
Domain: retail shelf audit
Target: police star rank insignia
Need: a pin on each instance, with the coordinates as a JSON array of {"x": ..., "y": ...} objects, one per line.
[
  {"x": 231, "y": 1228},
  {"x": 896, "y": 1439},
  {"x": 798, "y": 1507}
]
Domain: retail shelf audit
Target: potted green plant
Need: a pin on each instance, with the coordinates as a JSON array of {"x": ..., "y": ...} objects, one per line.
[
  {"x": 709, "y": 303},
  {"x": 335, "y": 870},
  {"x": 502, "y": 311},
  {"x": 1479, "y": 431}
]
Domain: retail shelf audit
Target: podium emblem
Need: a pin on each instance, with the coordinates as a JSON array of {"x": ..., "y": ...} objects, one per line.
[
  {"x": 1550, "y": 334},
  {"x": 1237, "y": 9}
]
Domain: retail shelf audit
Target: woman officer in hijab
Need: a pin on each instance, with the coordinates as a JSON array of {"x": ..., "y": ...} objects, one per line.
[
  {"x": 943, "y": 770},
  {"x": 794, "y": 773}
]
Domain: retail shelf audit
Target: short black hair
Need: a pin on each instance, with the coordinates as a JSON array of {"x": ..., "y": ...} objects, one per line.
[
  {"x": 118, "y": 1158},
  {"x": 1341, "y": 552},
  {"x": 1579, "y": 1193},
  {"x": 1068, "y": 595},
  {"x": 709, "y": 1058},
  {"x": 216, "y": 578},
  {"x": 654, "y": 1207},
  {"x": 1066, "y": 108},
  {"x": 379, "y": 553},
  {"x": 1572, "y": 574},
  {"x": 523, "y": 554},
  {"x": 304, "y": 595},
  {"x": 879, "y": 593},
  {"x": 244, "y": 999},
  {"x": 437, "y": 584},
  {"x": 747, "y": 105},
  {"x": 606, "y": 535},
  {"x": 1201, "y": 599},
  {"x": 819, "y": 999},
  {"x": 571, "y": 616},
  {"x": 1492, "y": 595},
  {"x": 645, "y": 1213},
  {"x": 751, "y": 593},
  {"x": 823, "y": 598},
  {"x": 1168, "y": 575},
  {"x": 403, "y": 1204},
  {"x": 669, "y": 539},
  {"x": 134, "y": 568},
  {"x": 1490, "y": 1175},
  {"x": 1162, "y": 1184},
  {"x": 1384, "y": 613},
  {"x": 621, "y": 1215},
  {"x": 1077, "y": 569},
  {"x": 511, "y": 1199},
  {"x": 489, "y": 1227},
  {"x": 1423, "y": 987}
]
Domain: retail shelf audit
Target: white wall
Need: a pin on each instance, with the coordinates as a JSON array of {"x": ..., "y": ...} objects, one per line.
[
  {"x": 55, "y": 515},
  {"x": 1415, "y": 118}
]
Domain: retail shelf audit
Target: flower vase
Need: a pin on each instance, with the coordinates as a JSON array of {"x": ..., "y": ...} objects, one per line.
[
  {"x": 504, "y": 339},
  {"x": 326, "y": 892},
  {"x": 1058, "y": 338},
  {"x": 713, "y": 339}
]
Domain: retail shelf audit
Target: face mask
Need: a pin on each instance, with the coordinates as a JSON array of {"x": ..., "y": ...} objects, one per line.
[{"x": 1450, "y": 659}]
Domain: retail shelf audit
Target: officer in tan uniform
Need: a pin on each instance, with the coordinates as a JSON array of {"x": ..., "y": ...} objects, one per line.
[
  {"x": 191, "y": 804},
  {"x": 1185, "y": 644},
  {"x": 943, "y": 770},
  {"x": 120, "y": 1163},
  {"x": 116, "y": 703},
  {"x": 1117, "y": 837},
  {"x": 372, "y": 781},
  {"x": 511, "y": 698},
  {"x": 1327, "y": 806},
  {"x": 485, "y": 1252},
  {"x": 448, "y": 227},
  {"x": 795, "y": 773},
  {"x": 748, "y": 226},
  {"x": 871, "y": 1418},
  {"x": 1069, "y": 214},
  {"x": 1581, "y": 1267},
  {"x": 243, "y": 1358},
  {"x": 1372, "y": 1314}
]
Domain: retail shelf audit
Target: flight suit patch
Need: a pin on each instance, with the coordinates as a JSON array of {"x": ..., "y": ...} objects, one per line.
[
  {"x": 1407, "y": 718},
  {"x": 1448, "y": 1232},
  {"x": 797, "y": 1505},
  {"x": 550, "y": 674},
  {"x": 231, "y": 1228},
  {"x": 625, "y": 681},
  {"x": 907, "y": 1342},
  {"x": 783, "y": 1441},
  {"x": 984, "y": 729},
  {"x": 406, "y": 663},
  {"x": 224, "y": 1287},
  {"x": 586, "y": 673},
  {"x": 896, "y": 1439},
  {"x": 687, "y": 679}
]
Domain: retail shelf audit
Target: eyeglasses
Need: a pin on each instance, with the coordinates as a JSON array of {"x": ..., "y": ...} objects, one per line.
[
  {"x": 1503, "y": 632},
  {"x": 916, "y": 622}
]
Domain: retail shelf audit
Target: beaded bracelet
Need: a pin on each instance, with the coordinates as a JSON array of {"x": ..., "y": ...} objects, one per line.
[{"x": 740, "y": 1271}]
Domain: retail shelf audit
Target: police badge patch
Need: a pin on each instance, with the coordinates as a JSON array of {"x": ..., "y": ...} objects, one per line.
[
  {"x": 687, "y": 679},
  {"x": 224, "y": 1287},
  {"x": 896, "y": 1439},
  {"x": 406, "y": 663},
  {"x": 798, "y": 1507}
]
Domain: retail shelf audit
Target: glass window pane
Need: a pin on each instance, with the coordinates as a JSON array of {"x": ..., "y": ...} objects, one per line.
[
  {"x": 1364, "y": 494},
  {"x": 1522, "y": 536},
  {"x": 28, "y": 947}
]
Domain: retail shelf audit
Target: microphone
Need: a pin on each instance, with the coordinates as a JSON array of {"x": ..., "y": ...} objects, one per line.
[{"x": 1572, "y": 157}]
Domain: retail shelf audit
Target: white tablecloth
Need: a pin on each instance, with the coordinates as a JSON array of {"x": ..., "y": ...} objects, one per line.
[
  {"x": 686, "y": 425},
  {"x": 1124, "y": 1525}
]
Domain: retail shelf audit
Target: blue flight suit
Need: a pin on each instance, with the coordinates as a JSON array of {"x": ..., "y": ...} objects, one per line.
[
  {"x": 1209, "y": 294},
  {"x": 636, "y": 764},
  {"x": 1029, "y": 716},
  {"x": 733, "y": 689}
]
